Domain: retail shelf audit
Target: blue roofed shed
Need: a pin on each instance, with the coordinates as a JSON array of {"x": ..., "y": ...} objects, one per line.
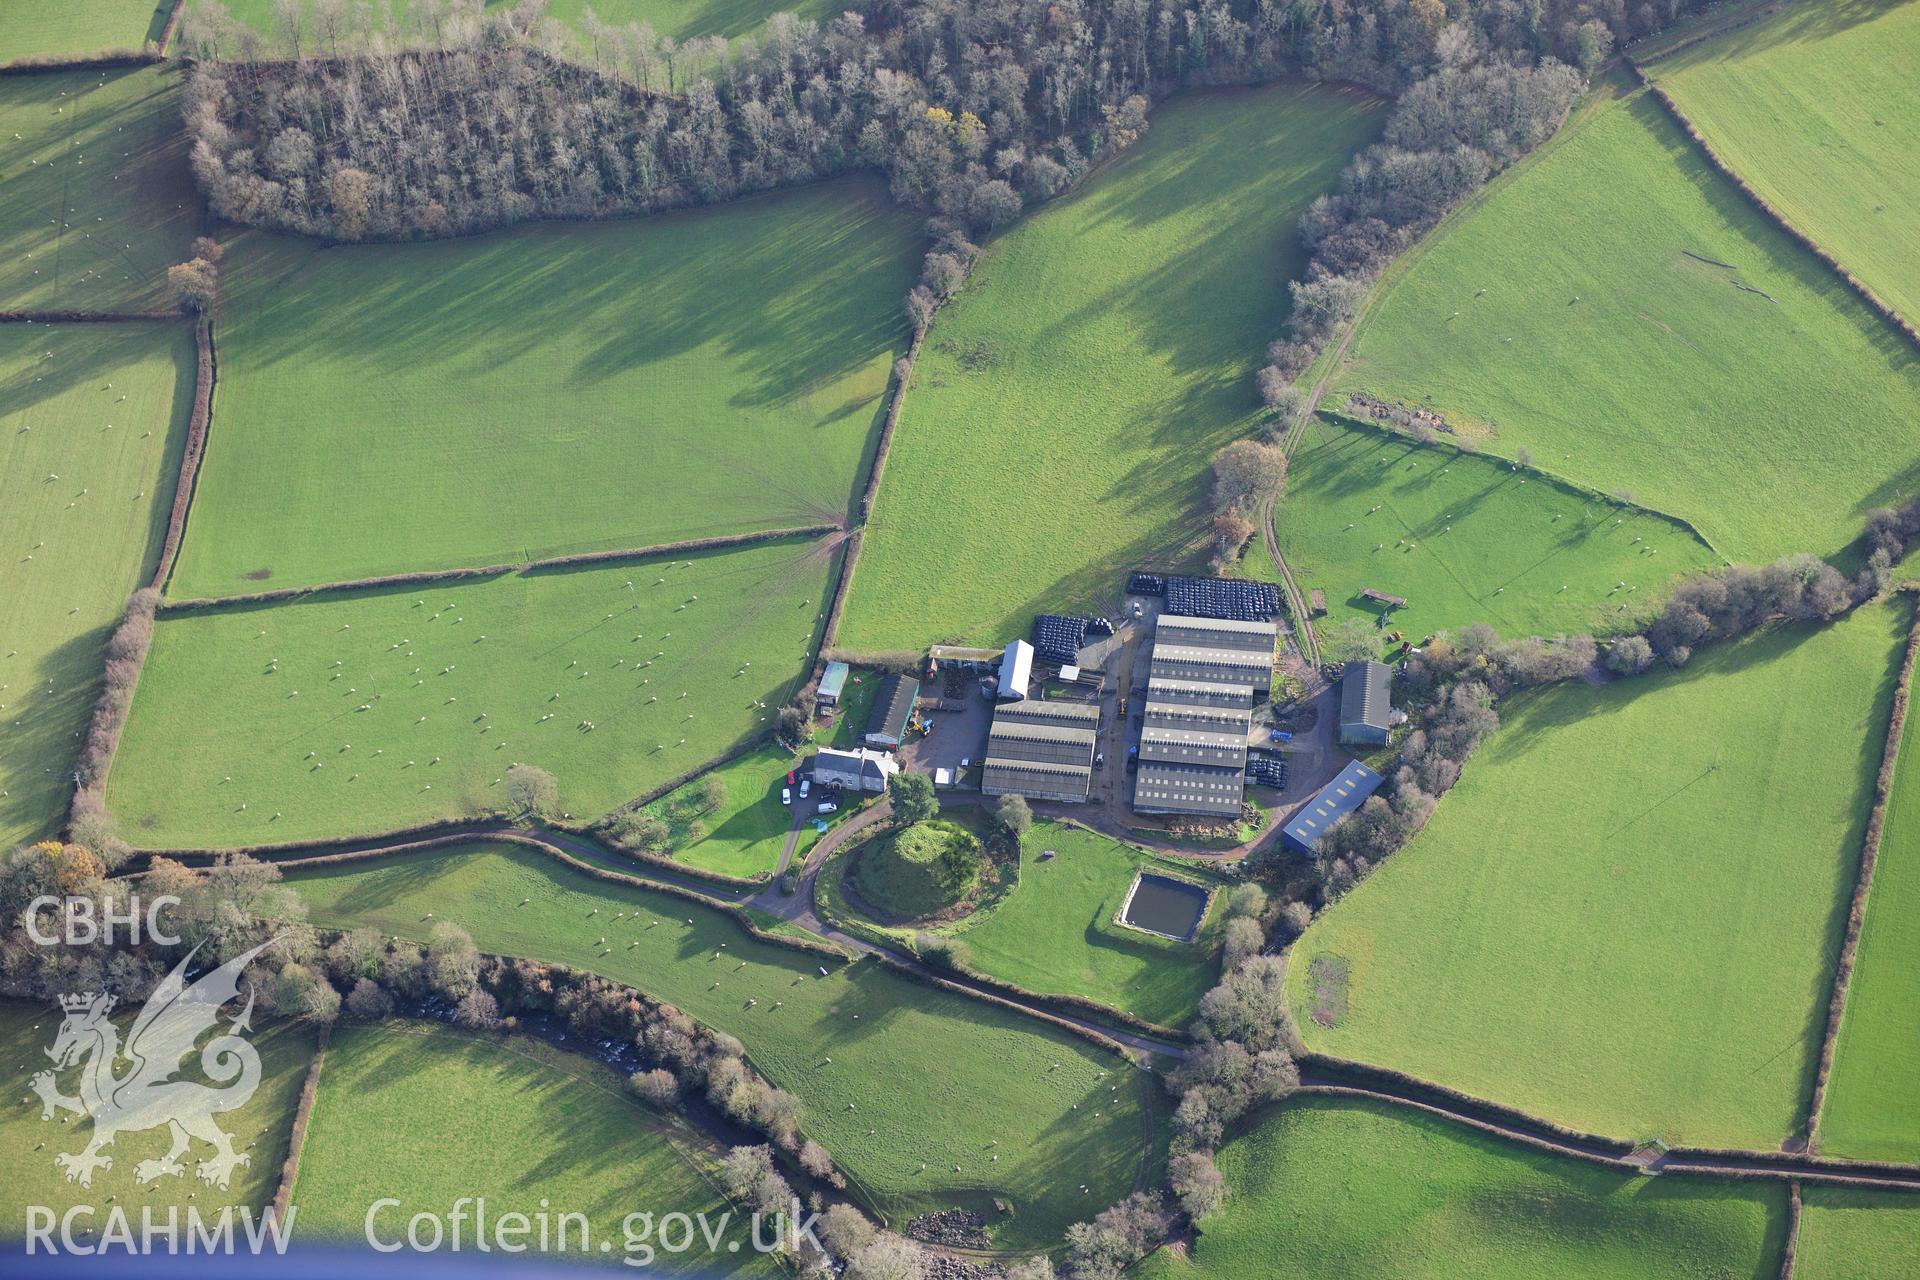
[
  {"x": 1333, "y": 802},
  {"x": 832, "y": 681}
]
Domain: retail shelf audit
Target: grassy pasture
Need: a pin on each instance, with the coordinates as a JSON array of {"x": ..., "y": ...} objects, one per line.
[
  {"x": 260, "y": 1129},
  {"x": 1330, "y": 1187},
  {"x": 1623, "y": 312},
  {"x": 96, "y": 200},
  {"x": 1065, "y": 405},
  {"x": 1054, "y": 931},
  {"x": 1814, "y": 107},
  {"x": 555, "y": 389},
  {"x": 75, "y": 28},
  {"x": 1467, "y": 539},
  {"x": 1871, "y": 1111},
  {"x": 681, "y": 19},
  {"x": 1849, "y": 1234},
  {"x": 917, "y": 1075},
  {"x": 1625, "y": 916},
  {"x": 744, "y": 835},
  {"x": 73, "y": 549},
  {"x": 426, "y": 1115},
  {"x": 394, "y": 706}
]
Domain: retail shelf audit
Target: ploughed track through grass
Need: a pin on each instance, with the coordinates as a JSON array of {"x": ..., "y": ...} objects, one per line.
[
  {"x": 260, "y": 1130},
  {"x": 356, "y": 712},
  {"x": 1065, "y": 405},
  {"x": 1872, "y": 1109},
  {"x": 1469, "y": 539},
  {"x": 427, "y": 1115},
  {"x": 1335, "y": 1187},
  {"x": 902, "y": 1082},
  {"x": 1625, "y": 917},
  {"x": 1622, "y": 311},
  {"x": 545, "y": 391},
  {"x": 96, "y": 198},
  {"x": 1814, "y": 108},
  {"x": 92, "y": 421}
]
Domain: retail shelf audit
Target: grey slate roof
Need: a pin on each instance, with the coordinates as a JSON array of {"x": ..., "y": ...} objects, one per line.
[{"x": 1366, "y": 694}]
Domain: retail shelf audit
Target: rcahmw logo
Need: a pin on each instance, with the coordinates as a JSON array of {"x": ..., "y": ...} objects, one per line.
[
  {"x": 146, "y": 1096},
  {"x": 83, "y": 922}
]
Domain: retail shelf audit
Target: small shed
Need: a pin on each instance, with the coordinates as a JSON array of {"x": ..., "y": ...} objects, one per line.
[
  {"x": 832, "y": 682},
  {"x": 1366, "y": 703}
]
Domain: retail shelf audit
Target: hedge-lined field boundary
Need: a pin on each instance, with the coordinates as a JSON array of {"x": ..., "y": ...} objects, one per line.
[
  {"x": 84, "y": 317},
  {"x": 1793, "y": 1231},
  {"x": 1402, "y": 1088},
  {"x": 205, "y": 370},
  {"x": 434, "y": 576},
  {"x": 1885, "y": 309},
  {"x": 591, "y": 871},
  {"x": 903, "y": 374},
  {"x": 1863, "y": 882},
  {"x": 302, "y": 1114},
  {"x": 105, "y": 59}
]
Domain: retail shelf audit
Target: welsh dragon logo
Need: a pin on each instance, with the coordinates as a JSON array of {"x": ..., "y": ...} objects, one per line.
[{"x": 145, "y": 1095}]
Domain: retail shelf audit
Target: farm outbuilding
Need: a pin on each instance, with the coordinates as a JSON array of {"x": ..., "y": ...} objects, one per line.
[
  {"x": 833, "y": 681},
  {"x": 1366, "y": 703},
  {"x": 1204, "y": 676},
  {"x": 1016, "y": 670},
  {"x": 1042, "y": 750},
  {"x": 861, "y": 770},
  {"x": 892, "y": 711},
  {"x": 1331, "y": 803}
]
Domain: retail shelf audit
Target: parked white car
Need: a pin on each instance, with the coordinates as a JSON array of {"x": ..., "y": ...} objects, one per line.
[{"x": 786, "y": 795}]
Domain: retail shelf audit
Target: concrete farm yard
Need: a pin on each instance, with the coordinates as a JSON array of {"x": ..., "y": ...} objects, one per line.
[{"x": 889, "y": 607}]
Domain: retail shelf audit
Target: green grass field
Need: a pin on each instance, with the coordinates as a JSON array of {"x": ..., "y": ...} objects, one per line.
[
  {"x": 426, "y": 1115},
  {"x": 1871, "y": 1111},
  {"x": 1814, "y": 107},
  {"x": 73, "y": 549},
  {"x": 920, "y": 1080},
  {"x": 744, "y": 835},
  {"x": 260, "y": 1129},
  {"x": 1066, "y": 404},
  {"x": 1847, "y": 1234},
  {"x": 96, "y": 200},
  {"x": 1623, "y": 312},
  {"x": 1055, "y": 933},
  {"x": 393, "y": 706},
  {"x": 1626, "y": 915},
  {"x": 560, "y": 388},
  {"x": 1330, "y": 1187},
  {"x": 681, "y": 19},
  {"x": 76, "y": 28},
  {"x": 1467, "y": 539}
]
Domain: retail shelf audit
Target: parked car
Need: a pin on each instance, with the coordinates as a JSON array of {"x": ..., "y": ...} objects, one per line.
[
  {"x": 790, "y": 777},
  {"x": 827, "y": 806},
  {"x": 786, "y": 795},
  {"x": 1280, "y": 735},
  {"x": 805, "y": 784}
]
